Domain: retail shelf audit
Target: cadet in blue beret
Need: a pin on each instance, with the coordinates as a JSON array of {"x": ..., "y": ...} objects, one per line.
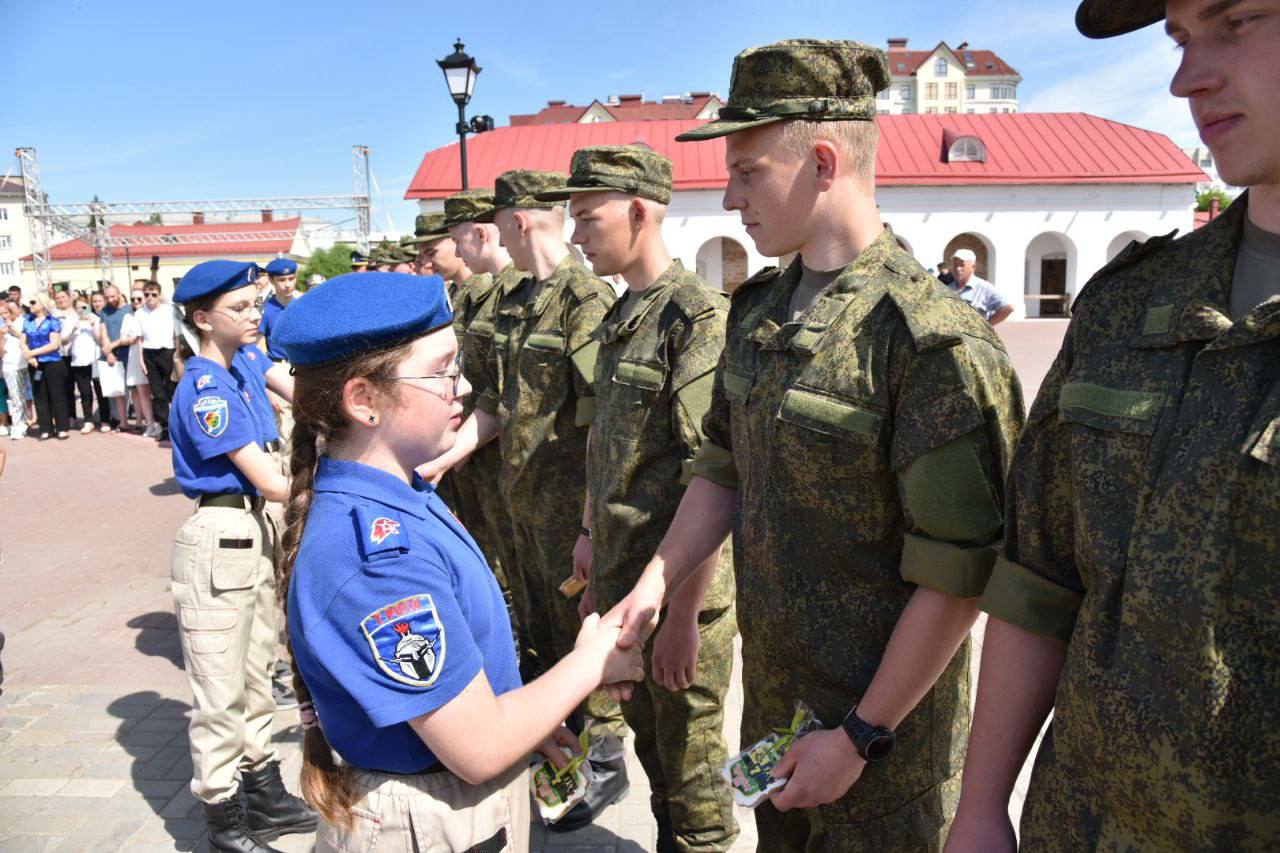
[
  {"x": 400, "y": 637},
  {"x": 223, "y": 575},
  {"x": 283, "y": 274}
]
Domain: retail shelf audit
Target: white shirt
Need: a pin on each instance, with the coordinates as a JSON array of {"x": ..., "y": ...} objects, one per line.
[
  {"x": 157, "y": 326},
  {"x": 12, "y": 351},
  {"x": 84, "y": 342},
  {"x": 69, "y": 319}
]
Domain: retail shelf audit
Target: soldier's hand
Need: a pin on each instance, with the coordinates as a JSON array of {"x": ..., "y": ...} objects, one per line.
[
  {"x": 586, "y": 603},
  {"x": 972, "y": 832},
  {"x": 582, "y": 557},
  {"x": 675, "y": 652},
  {"x": 637, "y": 614},
  {"x": 821, "y": 768}
]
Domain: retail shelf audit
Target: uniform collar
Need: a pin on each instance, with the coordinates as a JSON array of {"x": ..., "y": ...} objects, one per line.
[
  {"x": 611, "y": 329},
  {"x": 355, "y": 478},
  {"x": 1191, "y": 305},
  {"x": 548, "y": 287}
]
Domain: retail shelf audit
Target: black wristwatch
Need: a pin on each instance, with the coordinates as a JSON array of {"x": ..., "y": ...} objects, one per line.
[{"x": 874, "y": 743}]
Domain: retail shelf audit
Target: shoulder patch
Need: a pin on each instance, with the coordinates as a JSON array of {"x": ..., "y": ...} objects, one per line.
[
  {"x": 932, "y": 322},
  {"x": 205, "y": 380},
  {"x": 765, "y": 276},
  {"x": 407, "y": 640},
  {"x": 696, "y": 299},
  {"x": 380, "y": 531},
  {"x": 212, "y": 415}
]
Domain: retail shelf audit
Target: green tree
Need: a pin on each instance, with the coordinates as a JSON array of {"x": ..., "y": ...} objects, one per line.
[
  {"x": 154, "y": 219},
  {"x": 1204, "y": 199},
  {"x": 330, "y": 262}
]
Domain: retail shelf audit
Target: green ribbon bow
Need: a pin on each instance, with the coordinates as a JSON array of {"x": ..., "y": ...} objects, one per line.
[
  {"x": 790, "y": 734},
  {"x": 576, "y": 761}
]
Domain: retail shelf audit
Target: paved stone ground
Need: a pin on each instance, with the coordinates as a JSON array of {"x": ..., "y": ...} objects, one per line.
[{"x": 94, "y": 702}]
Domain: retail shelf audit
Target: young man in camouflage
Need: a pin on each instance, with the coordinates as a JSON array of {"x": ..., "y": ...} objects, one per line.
[
  {"x": 537, "y": 399},
  {"x": 1137, "y": 594},
  {"x": 659, "y": 345},
  {"x": 860, "y": 424},
  {"x": 422, "y": 236}
]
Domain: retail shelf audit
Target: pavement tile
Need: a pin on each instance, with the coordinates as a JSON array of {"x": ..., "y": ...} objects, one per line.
[
  {"x": 102, "y": 836},
  {"x": 92, "y": 787},
  {"x": 38, "y": 735},
  {"x": 30, "y": 843},
  {"x": 32, "y": 787},
  {"x": 180, "y": 804}
]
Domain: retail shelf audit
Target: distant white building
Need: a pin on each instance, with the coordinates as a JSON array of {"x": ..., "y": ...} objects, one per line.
[
  {"x": 1043, "y": 200},
  {"x": 947, "y": 80},
  {"x": 15, "y": 235},
  {"x": 1203, "y": 157}
]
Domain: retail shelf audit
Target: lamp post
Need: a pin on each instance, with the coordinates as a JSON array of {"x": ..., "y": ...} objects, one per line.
[{"x": 460, "y": 72}]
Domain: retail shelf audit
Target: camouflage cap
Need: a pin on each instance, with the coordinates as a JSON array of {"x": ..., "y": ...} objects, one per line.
[
  {"x": 1100, "y": 19},
  {"x": 427, "y": 227},
  {"x": 406, "y": 248},
  {"x": 520, "y": 187},
  {"x": 381, "y": 253},
  {"x": 467, "y": 206},
  {"x": 634, "y": 169},
  {"x": 812, "y": 79}
]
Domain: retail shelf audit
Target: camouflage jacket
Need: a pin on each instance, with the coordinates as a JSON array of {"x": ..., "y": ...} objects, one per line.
[
  {"x": 653, "y": 378},
  {"x": 1144, "y": 532},
  {"x": 473, "y": 322},
  {"x": 817, "y": 421},
  {"x": 538, "y": 384}
]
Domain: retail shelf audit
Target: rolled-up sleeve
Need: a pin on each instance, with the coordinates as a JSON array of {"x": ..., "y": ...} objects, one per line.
[{"x": 714, "y": 460}]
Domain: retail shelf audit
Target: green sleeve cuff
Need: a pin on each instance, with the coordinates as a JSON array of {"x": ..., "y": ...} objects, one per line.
[
  {"x": 488, "y": 404},
  {"x": 953, "y": 570},
  {"x": 686, "y": 472},
  {"x": 586, "y": 412},
  {"x": 1019, "y": 596},
  {"x": 716, "y": 464}
]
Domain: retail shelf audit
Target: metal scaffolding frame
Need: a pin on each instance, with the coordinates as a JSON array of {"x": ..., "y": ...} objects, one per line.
[{"x": 45, "y": 218}]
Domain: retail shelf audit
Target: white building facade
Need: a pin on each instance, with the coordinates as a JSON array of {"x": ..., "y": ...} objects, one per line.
[
  {"x": 945, "y": 81},
  {"x": 15, "y": 236}
]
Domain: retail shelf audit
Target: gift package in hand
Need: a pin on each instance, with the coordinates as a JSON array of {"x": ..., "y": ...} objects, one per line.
[
  {"x": 747, "y": 773},
  {"x": 558, "y": 791}
]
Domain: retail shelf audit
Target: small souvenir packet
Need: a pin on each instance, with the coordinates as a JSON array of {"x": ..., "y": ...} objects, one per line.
[
  {"x": 558, "y": 791},
  {"x": 747, "y": 773}
]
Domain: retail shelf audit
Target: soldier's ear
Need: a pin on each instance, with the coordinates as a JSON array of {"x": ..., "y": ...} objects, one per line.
[{"x": 826, "y": 160}]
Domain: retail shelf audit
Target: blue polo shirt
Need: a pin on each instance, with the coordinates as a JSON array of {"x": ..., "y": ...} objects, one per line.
[
  {"x": 392, "y": 612},
  {"x": 113, "y": 318},
  {"x": 253, "y": 366},
  {"x": 39, "y": 333},
  {"x": 271, "y": 310},
  {"x": 211, "y": 415}
]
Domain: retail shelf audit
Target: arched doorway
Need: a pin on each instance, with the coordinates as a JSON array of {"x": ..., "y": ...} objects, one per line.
[
  {"x": 1117, "y": 245},
  {"x": 1050, "y": 270},
  {"x": 985, "y": 265},
  {"x": 723, "y": 263}
]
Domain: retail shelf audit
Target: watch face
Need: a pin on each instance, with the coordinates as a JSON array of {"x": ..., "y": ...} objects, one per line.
[{"x": 879, "y": 747}]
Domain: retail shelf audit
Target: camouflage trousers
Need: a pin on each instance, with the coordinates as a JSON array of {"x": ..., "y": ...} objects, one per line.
[
  {"x": 544, "y": 558},
  {"x": 679, "y": 739}
]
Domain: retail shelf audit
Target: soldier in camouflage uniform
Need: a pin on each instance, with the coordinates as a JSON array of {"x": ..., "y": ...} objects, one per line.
[
  {"x": 659, "y": 345},
  {"x": 423, "y": 225},
  {"x": 859, "y": 429},
  {"x": 382, "y": 256},
  {"x": 437, "y": 250},
  {"x": 1137, "y": 592},
  {"x": 537, "y": 399},
  {"x": 405, "y": 255}
]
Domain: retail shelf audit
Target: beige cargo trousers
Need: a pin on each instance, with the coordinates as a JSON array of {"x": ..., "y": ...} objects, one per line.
[{"x": 224, "y": 597}]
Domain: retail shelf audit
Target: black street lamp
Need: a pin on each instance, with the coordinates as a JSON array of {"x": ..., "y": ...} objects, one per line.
[{"x": 460, "y": 72}]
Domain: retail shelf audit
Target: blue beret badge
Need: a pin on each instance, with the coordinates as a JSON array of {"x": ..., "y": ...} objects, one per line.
[
  {"x": 407, "y": 640},
  {"x": 211, "y": 414}
]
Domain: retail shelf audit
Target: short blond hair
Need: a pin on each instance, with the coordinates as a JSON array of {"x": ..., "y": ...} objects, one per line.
[{"x": 857, "y": 140}]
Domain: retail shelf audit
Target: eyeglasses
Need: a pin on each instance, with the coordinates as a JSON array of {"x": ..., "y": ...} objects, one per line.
[
  {"x": 453, "y": 375},
  {"x": 242, "y": 313},
  {"x": 135, "y": 299}
]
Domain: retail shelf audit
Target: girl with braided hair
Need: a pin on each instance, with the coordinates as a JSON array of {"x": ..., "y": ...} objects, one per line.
[{"x": 417, "y": 726}]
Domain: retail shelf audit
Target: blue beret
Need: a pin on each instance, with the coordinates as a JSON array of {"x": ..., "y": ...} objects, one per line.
[
  {"x": 282, "y": 266},
  {"x": 213, "y": 277},
  {"x": 360, "y": 311}
]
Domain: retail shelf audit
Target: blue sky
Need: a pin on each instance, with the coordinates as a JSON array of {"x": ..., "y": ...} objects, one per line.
[{"x": 137, "y": 99}]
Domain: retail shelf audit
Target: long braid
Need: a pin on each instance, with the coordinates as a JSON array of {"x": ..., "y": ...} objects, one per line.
[{"x": 326, "y": 784}]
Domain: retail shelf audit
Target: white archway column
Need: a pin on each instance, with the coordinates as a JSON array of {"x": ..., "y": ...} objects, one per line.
[
  {"x": 1091, "y": 255},
  {"x": 1010, "y": 272}
]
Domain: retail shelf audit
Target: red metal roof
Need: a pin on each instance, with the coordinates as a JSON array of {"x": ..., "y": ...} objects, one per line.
[
  {"x": 73, "y": 250},
  {"x": 1021, "y": 148},
  {"x": 631, "y": 108}
]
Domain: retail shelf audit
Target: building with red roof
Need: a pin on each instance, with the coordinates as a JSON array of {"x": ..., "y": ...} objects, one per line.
[
  {"x": 691, "y": 105},
  {"x": 1043, "y": 199},
  {"x": 179, "y": 247},
  {"x": 945, "y": 80}
]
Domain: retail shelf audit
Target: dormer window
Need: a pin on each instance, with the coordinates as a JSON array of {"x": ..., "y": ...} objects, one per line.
[
  {"x": 940, "y": 68},
  {"x": 967, "y": 149}
]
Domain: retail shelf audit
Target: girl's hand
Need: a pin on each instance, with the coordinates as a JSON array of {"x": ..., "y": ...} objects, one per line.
[
  {"x": 616, "y": 664},
  {"x": 551, "y": 747}
]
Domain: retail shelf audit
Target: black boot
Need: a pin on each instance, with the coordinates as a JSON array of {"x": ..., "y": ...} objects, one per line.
[
  {"x": 666, "y": 833},
  {"x": 608, "y": 785},
  {"x": 228, "y": 830},
  {"x": 273, "y": 811}
]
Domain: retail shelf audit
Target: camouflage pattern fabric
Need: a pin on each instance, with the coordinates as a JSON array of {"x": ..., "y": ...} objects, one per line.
[
  {"x": 428, "y": 227},
  {"x": 520, "y": 188},
  {"x": 467, "y": 206},
  {"x": 653, "y": 379},
  {"x": 633, "y": 169},
  {"x": 1142, "y": 532},
  {"x": 538, "y": 383},
  {"x": 1099, "y": 19},
  {"x": 406, "y": 250},
  {"x": 811, "y": 79},
  {"x": 822, "y": 417}
]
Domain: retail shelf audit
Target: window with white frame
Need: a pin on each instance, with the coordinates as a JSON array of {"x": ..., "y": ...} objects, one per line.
[
  {"x": 970, "y": 90},
  {"x": 967, "y": 149},
  {"x": 953, "y": 91},
  {"x": 884, "y": 95},
  {"x": 940, "y": 68},
  {"x": 7, "y": 267},
  {"x": 1001, "y": 91},
  {"x": 6, "y": 242},
  {"x": 906, "y": 90},
  {"x": 4, "y": 213},
  {"x": 931, "y": 91}
]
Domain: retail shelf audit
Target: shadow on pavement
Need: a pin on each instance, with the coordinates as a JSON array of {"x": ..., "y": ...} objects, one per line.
[
  {"x": 168, "y": 487},
  {"x": 153, "y": 731},
  {"x": 158, "y": 636}
]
